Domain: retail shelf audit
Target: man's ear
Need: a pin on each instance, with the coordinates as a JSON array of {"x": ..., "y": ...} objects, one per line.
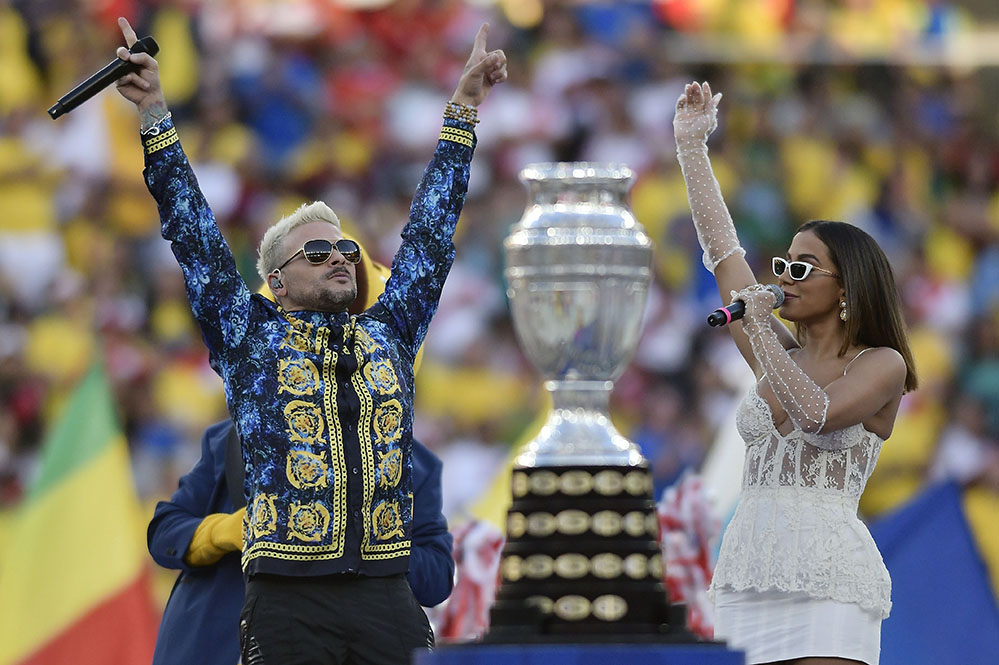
[{"x": 275, "y": 283}]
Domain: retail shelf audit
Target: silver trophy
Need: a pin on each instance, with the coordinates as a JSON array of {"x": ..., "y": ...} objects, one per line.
[{"x": 578, "y": 270}]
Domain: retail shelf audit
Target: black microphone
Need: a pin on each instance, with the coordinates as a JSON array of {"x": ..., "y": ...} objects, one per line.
[
  {"x": 107, "y": 75},
  {"x": 726, "y": 315}
]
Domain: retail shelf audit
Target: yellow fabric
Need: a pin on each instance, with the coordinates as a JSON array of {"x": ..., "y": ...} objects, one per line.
[
  {"x": 348, "y": 153},
  {"x": 217, "y": 535},
  {"x": 131, "y": 211},
  {"x": 822, "y": 186},
  {"x": 189, "y": 395},
  {"x": 470, "y": 396},
  {"x": 229, "y": 144},
  {"x": 20, "y": 83},
  {"x": 26, "y": 188},
  {"x": 949, "y": 254},
  {"x": 758, "y": 22},
  {"x": 58, "y": 346},
  {"x": 178, "y": 56},
  {"x": 901, "y": 469},
  {"x": 171, "y": 321},
  {"x": 981, "y": 507}
]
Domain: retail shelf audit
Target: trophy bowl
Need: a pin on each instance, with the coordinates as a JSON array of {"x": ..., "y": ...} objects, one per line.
[{"x": 578, "y": 272}]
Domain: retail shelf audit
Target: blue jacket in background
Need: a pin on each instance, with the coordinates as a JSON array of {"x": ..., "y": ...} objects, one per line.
[{"x": 201, "y": 617}]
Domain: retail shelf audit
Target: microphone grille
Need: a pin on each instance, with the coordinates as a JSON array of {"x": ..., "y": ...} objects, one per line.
[{"x": 778, "y": 293}]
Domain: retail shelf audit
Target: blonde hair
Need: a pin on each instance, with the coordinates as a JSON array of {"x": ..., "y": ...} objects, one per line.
[{"x": 268, "y": 254}]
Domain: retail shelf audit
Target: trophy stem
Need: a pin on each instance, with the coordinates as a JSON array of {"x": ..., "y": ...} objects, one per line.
[
  {"x": 586, "y": 395},
  {"x": 579, "y": 431}
]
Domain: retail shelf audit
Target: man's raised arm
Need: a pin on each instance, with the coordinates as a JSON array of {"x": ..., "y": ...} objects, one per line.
[
  {"x": 427, "y": 251},
  {"x": 219, "y": 297}
]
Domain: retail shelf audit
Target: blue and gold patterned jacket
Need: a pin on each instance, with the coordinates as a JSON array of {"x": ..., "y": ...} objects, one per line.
[{"x": 323, "y": 401}]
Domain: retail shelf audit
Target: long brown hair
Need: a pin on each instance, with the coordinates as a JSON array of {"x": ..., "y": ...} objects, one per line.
[{"x": 871, "y": 295}]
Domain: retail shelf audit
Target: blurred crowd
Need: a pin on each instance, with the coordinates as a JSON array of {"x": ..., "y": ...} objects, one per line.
[{"x": 281, "y": 103}]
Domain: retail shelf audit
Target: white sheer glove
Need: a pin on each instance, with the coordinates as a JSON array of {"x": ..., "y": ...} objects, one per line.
[
  {"x": 805, "y": 402},
  {"x": 760, "y": 302},
  {"x": 696, "y": 117}
]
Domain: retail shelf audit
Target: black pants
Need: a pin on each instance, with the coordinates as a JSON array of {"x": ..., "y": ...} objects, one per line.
[{"x": 331, "y": 620}]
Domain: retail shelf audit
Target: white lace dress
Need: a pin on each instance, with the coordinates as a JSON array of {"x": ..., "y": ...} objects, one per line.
[{"x": 795, "y": 549}]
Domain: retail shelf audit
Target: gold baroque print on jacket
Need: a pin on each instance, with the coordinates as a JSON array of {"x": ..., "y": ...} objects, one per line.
[
  {"x": 388, "y": 421},
  {"x": 363, "y": 341},
  {"x": 307, "y": 470},
  {"x": 389, "y": 467},
  {"x": 238, "y": 325},
  {"x": 387, "y": 521},
  {"x": 299, "y": 336},
  {"x": 380, "y": 375},
  {"x": 298, "y": 376},
  {"x": 308, "y": 521},
  {"x": 264, "y": 515},
  {"x": 305, "y": 422}
]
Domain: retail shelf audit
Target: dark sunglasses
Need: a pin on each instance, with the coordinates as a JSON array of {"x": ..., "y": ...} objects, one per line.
[
  {"x": 319, "y": 251},
  {"x": 798, "y": 270}
]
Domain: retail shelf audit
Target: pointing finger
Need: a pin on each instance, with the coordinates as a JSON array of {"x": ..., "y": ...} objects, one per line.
[
  {"x": 126, "y": 30},
  {"x": 479, "y": 46}
]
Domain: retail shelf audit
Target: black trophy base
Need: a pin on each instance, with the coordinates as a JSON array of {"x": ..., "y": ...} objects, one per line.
[{"x": 582, "y": 562}]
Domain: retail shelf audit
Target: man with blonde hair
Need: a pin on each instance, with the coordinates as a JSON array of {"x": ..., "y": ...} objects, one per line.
[
  {"x": 272, "y": 249},
  {"x": 322, "y": 399},
  {"x": 199, "y": 532}
]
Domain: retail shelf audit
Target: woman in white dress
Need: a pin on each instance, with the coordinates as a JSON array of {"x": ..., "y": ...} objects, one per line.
[{"x": 799, "y": 578}]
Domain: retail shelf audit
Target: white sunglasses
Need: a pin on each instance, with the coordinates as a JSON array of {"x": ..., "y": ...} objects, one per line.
[{"x": 798, "y": 270}]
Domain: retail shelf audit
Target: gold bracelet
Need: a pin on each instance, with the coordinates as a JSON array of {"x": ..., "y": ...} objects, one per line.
[{"x": 462, "y": 112}]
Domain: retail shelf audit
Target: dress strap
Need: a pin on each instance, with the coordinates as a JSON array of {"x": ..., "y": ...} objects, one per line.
[{"x": 862, "y": 351}]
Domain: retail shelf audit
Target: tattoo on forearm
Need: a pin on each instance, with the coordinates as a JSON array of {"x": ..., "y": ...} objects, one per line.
[{"x": 153, "y": 113}]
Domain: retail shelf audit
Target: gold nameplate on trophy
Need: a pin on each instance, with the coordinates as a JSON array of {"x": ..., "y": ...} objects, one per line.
[
  {"x": 606, "y": 566},
  {"x": 543, "y": 483},
  {"x": 656, "y": 566},
  {"x": 572, "y": 608},
  {"x": 609, "y": 607},
  {"x": 538, "y": 566},
  {"x": 637, "y": 483},
  {"x": 576, "y": 483},
  {"x": 516, "y": 525},
  {"x": 636, "y": 566},
  {"x": 634, "y": 524},
  {"x": 541, "y": 525},
  {"x": 543, "y": 603},
  {"x": 572, "y": 522},
  {"x": 607, "y": 523},
  {"x": 572, "y": 566},
  {"x": 518, "y": 484},
  {"x": 608, "y": 483},
  {"x": 512, "y": 568}
]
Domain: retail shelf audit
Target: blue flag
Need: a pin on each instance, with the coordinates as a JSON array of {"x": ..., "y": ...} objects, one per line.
[{"x": 943, "y": 610}]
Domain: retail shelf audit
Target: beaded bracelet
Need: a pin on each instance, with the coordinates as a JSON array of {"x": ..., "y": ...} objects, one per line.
[{"x": 462, "y": 112}]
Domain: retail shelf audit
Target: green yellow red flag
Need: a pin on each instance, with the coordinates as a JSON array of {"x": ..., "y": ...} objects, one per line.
[{"x": 74, "y": 573}]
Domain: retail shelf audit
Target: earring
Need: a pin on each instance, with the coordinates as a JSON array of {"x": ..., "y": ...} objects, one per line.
[{"x": 842, "y": 310}]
